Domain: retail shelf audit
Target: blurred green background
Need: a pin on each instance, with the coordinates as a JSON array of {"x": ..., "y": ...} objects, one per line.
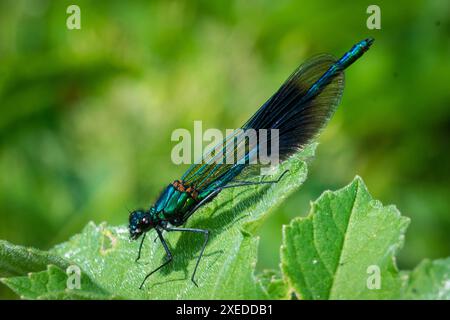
[{"x": 86, "y": 115}]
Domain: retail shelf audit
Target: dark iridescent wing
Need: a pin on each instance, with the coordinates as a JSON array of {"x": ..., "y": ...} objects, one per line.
[
  {"x": 298, "y": 116},
  {"x": 298, "y": 119}
]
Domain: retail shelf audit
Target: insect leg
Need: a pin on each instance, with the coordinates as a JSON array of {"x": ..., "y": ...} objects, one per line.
[
  {"x": 140, "y": 248},
  {"x": 169, "y": 257},
  {"x": 249, "y": 183},
  {"x": 208, "y": 198},
  {"x": 205, "y": 233},
  {"x": 216, "y": 191},
  {"x": 156, "y": 238}
]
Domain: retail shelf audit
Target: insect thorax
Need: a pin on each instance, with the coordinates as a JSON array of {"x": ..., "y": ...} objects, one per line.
[{"x": 175, "y": 202}]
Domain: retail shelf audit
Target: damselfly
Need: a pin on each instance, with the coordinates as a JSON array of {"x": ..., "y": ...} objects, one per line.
[{"x": 297, "y": 111}]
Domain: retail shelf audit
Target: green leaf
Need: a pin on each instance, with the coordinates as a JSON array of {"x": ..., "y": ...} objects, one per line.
[
  {"x": 430, "y": 280},
  {"x": 52, "y": 284},
  {"x": 344, "y": 249},
  {"x": 273, "y": 285},
  {"x": 107, "y": 256},
  {"x": 346, "y": 239},
  {"x": 18, "y": 260}
]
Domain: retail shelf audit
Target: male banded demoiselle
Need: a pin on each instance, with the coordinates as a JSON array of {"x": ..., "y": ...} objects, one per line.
[{"x": 298, "y": 111}]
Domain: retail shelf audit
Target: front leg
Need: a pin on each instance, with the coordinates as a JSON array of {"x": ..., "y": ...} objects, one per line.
[
  {"x": 169, "y": 257},
  {"x": 140, "y": 248}
]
